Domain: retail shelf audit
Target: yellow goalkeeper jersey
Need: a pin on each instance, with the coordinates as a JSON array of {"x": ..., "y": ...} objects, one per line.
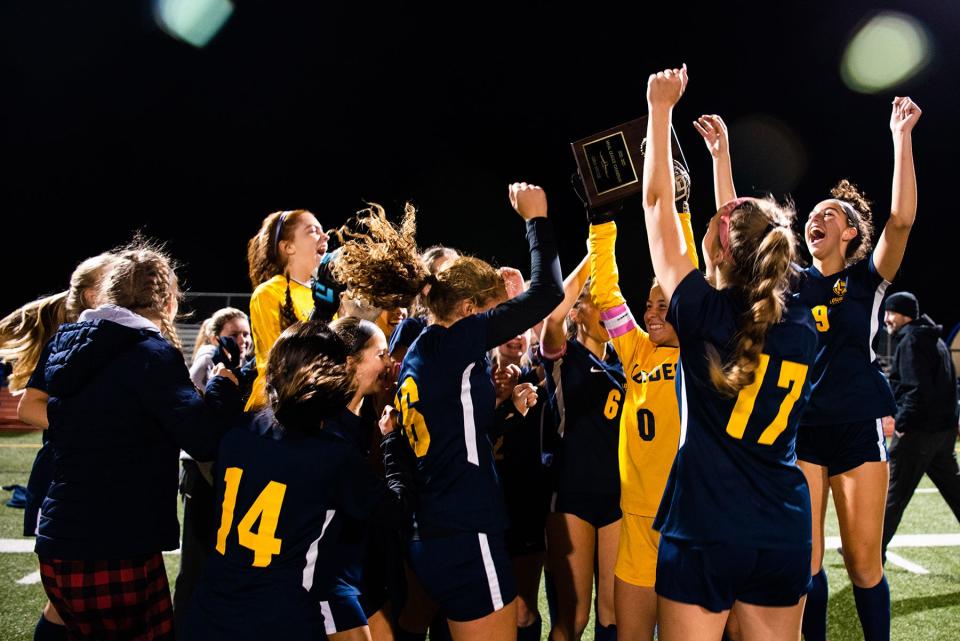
[{"x": 650, "y": 421}]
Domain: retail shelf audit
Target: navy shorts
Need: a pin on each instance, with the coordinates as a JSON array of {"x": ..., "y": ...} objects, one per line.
[
  {"x": 599, "y": 510},
  {"x": 341, "y": 613},
  {"x": 714, "y": 575},
  {"x": 840, "y": 447},
  {"x": 467, "y": 574}
]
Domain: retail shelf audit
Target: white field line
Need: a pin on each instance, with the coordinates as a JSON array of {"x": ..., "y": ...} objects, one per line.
[
  {"x": 909, "y": 541},
  {"x": 30, "y": 579},
  {"x": 909, "y": 566},
  {"x": 26, "y": 545},
  {"x": 926, "y": 490}
]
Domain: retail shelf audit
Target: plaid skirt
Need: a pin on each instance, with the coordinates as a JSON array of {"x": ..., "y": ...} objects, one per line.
[{"x": 124, "y": 599}]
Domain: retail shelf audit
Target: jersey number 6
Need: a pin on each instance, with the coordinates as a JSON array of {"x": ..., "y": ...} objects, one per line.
[{"x": 413, "y": 424}]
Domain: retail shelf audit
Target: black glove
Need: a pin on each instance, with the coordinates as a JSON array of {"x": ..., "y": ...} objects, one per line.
[
  {"x": 227, "y": 353},
  {"x": 598, "y": 215},
  {"x": 326, "y": 289}
]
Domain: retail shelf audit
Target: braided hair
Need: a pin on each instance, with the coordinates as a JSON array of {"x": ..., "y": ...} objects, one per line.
[
  {"x": 143, "y": 279},
  {"x": 763, "y": 248}
]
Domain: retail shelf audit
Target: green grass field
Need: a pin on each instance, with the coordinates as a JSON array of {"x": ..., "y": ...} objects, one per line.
[{"x": 925, "y": 607}]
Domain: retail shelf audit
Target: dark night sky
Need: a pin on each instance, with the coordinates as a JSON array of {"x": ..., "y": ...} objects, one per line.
[{"x": 109, "y": 125}]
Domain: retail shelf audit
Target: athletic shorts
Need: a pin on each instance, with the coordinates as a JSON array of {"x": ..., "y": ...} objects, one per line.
[
  {"x": 467, "y": 574},
  {"x": 598, "y": 510},
  {"x": 840, "y": 447},
  {"x": 714, "y": 575},
  {"x": 637, "y": 551},
  {"x": 342, "y": 613}
]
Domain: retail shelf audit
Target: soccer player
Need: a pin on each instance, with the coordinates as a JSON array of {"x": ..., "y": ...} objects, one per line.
[
  {"x": 734, "y": 517},
  {"x": 447, "y": 400},
  {"x": 841, "y": 445},
  {"x": 649, "y": 424},
  {"x": 585, "y": 382},
  {"x": 282, "y": 258},
  {"x": 289, "y": 490}
]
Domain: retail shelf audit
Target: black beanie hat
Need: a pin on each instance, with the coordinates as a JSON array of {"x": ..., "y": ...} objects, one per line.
[{"x": 903, "y": 303}]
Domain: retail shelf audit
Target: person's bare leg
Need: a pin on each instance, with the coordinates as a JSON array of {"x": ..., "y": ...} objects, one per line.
[
  {"x": 527, "y": 570},
  {"x": 763, "y": 623},
  {"x": 608, "y": 540},
  {"x": 688, "y": 622},
  {"x": 571, "y": 543},
  {"x": 380, "y": 627},
  {"x": 860, "y": 496},
  {"x": 636, "y": 609}
]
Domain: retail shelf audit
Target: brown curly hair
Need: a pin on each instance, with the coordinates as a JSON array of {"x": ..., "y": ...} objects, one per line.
[
  {"x": 860, "y": 246},
  {"x": 143, "y": 279},
  {"x": 382, "y": 266},
  {"x": 763, "y": 246}
]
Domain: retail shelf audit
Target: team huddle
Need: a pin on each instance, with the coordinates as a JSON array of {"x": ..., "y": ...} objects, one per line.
[{"x": 397, "y": 440}]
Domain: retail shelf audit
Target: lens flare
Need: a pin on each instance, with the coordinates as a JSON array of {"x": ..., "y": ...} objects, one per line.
[
  {"x": 193, "y": 21},
  {"x": 886, "y": 51}
]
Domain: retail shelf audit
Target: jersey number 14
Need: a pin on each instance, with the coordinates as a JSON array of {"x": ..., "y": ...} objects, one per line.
[{"x": 266, "y": 507}]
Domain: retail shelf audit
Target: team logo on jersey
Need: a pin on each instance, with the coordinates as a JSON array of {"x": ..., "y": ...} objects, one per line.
[
  {"x": 839, "y": 290},
  {"x": 664, "y": 372}
]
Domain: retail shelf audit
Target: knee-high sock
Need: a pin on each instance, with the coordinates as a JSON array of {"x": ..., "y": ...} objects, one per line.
[
  {"x": 531, "y": 632},
  {"x": 815, "y": 611},
  {"x": 604, "y": 632},
  {"x": 551, "y": 591},
  {"x": 873, "y": 607},
  {"x": 49, "y": 631}
]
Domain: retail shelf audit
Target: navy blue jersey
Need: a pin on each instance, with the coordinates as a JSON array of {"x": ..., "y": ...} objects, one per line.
[
  {"x": 847, "y": 308},
  {"x": 735, "y": 477},
  {"x": 446, "y": 399},
  {"x": 585, "y": 396},
  {"x": 285, "y": 503},
  {"x": 407, "y": 332},
  {"x": 342, "y": 572}
]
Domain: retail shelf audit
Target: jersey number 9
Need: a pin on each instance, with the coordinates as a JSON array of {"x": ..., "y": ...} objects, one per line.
[{"x": 820, "y": 318}]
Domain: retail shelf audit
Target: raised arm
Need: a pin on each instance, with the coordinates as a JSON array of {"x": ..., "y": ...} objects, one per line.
[
  {"x": 668, "y": 250},
  {"x": 903, "y": 203},
  {"x": 519, "y": 314},
  {"x": 714, "y": 132},
  {"x": 553, "y": 338}
]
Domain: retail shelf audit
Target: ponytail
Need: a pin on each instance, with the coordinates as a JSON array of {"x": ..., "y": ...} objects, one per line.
[{"x": 763, "y": 248}]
